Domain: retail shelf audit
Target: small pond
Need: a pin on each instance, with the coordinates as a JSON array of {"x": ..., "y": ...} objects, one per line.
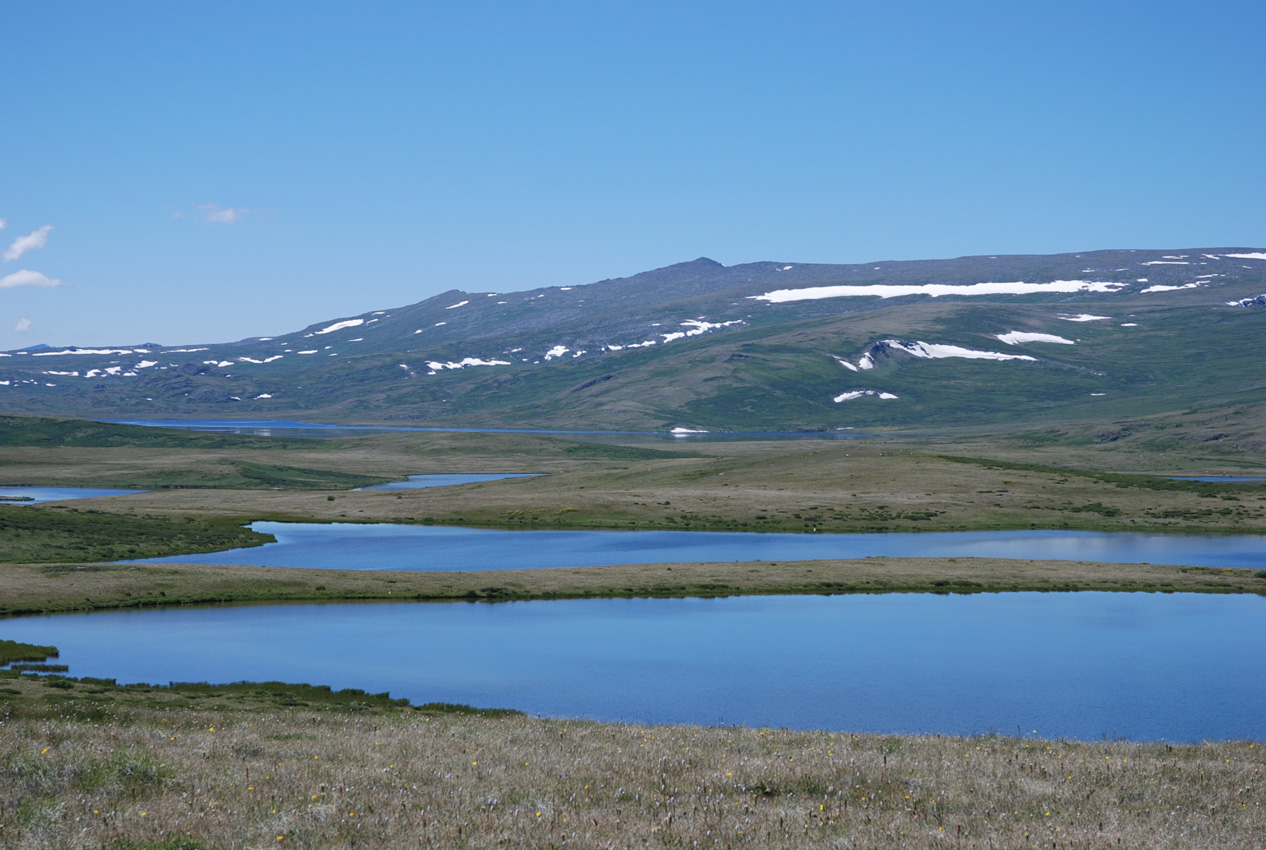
[
  {"x": 380, "y": 546},
  {"x": 417, "y": 482},
  {"x": 35, "y": 495},
  {"x": 1180, "y": 667}
]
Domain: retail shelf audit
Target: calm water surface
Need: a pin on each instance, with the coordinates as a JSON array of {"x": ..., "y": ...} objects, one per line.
[
  {"x": 1179, "y": 667},
  {"x": 379, "y": 546},
  {"x": 54, "y": 494},
  {"x": 418, "y": 482}
]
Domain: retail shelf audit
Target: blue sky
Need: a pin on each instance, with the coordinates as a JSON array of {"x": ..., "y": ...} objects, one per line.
[{"x": 212, "y": 171}]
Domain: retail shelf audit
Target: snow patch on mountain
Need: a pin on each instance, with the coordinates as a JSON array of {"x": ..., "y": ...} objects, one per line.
[
  {"x": 1255, "y": 256},
  {"x": 1084, "y": 317},
  {"x": 852, "y": 394},
  {"x": 697, "y": 327},
  {"x": 926, "y": 351},
  {"x": 1160, "y": 287},
  {"x": 89, "y": 351},
  {"x": 936, "y": 351},
  {"x": 338, "y": 326},
  {"x": 458, "y": 304},
  {"x": 846, "y": 364},
  {"x": 1259, "y": 301},
  {"x": 436, "y": 366},
  {"x": 880, "y": 290},
  {"x": 1018, "y": 337},
  {"x": 556, "y": 351}
]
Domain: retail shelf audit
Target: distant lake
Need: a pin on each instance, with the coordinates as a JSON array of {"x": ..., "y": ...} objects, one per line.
[
  {"x": 35, "y": 495},
  {"x": 1223, "y": 479},
  {"x": 417, "y": 482},
  {"x": 383, "y": 546},
  {"x": 1180, "y": 667},
  {"x": 289, "y": 428}
]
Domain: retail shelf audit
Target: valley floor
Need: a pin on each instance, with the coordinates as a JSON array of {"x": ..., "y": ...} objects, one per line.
[{"x": 85, "y": 763}]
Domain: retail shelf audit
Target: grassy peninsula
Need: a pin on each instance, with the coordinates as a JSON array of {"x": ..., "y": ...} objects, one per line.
[{"x": 49, "y": 588}]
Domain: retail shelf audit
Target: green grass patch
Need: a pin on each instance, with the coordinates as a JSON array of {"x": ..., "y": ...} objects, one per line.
[
  {"x": 12, "y": 651},
  {"x": 57, "y": 534}
]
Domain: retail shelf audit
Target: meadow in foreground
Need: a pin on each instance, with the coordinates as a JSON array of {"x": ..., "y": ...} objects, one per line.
[{"x": 86, "y": 764}]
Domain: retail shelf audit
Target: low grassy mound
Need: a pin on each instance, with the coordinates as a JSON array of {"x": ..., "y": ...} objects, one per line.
[{"x": 57, "y": 534}]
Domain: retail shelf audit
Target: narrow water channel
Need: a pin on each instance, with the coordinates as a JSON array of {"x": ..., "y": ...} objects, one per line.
[{"x": 381, "y": 546}]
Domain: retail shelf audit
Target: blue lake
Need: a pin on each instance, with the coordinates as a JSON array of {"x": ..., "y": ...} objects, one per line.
[
  {"x": 35, "y": 495},
  {"x": 1180, "y": 667},
  {"x": 378, "y": 546},
  {"x": 418, "y": 482}
]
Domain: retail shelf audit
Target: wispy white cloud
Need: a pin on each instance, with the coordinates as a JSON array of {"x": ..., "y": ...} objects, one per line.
[
  {"x": 23, "y": 324},
  {"x": 215, "y": 214},
  {"x": 3, "y": 223},
  {"x": 26, "y": 277},
  {"x": 31, "y": 242}
]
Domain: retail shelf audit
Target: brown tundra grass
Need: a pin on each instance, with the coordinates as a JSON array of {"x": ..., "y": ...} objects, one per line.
[{"x": 179, "y": 778}]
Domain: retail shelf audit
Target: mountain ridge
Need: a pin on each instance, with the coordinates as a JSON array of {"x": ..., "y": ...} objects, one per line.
[{"x": 698, "y": 344}]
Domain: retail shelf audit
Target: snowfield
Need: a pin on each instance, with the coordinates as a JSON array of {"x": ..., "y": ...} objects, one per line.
[
  {"x": 90, "y": 351},
  {"x": 1160, "y": 287},
  {"x": 1018, "y": 337},
  {"x": 338, "y": 326},
  {"x": 880, "y": 290},
  {"x": 436, "y": 366},
  {"x": 852, "y": 394},
  {"x": 929, "y": 351},
  {"x": 935, "y": 351}
]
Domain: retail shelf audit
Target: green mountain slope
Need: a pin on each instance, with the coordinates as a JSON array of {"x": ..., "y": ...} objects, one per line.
[{"x": 762, "y": 346}]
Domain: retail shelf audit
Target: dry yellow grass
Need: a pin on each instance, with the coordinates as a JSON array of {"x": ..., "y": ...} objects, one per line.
[{"x": 136, "y": 777}]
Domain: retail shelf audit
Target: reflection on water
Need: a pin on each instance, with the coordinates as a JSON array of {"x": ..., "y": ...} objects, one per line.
[
  {"x": 379, "y": 546},
  {"x": 418, "y": 482},
  {"x": 1182, "y": 667}
]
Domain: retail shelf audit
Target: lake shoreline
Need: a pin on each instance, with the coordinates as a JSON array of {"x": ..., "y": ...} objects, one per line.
[
  {"x": 313, "y": 770},
  {"x": 51, "y": 588}
]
